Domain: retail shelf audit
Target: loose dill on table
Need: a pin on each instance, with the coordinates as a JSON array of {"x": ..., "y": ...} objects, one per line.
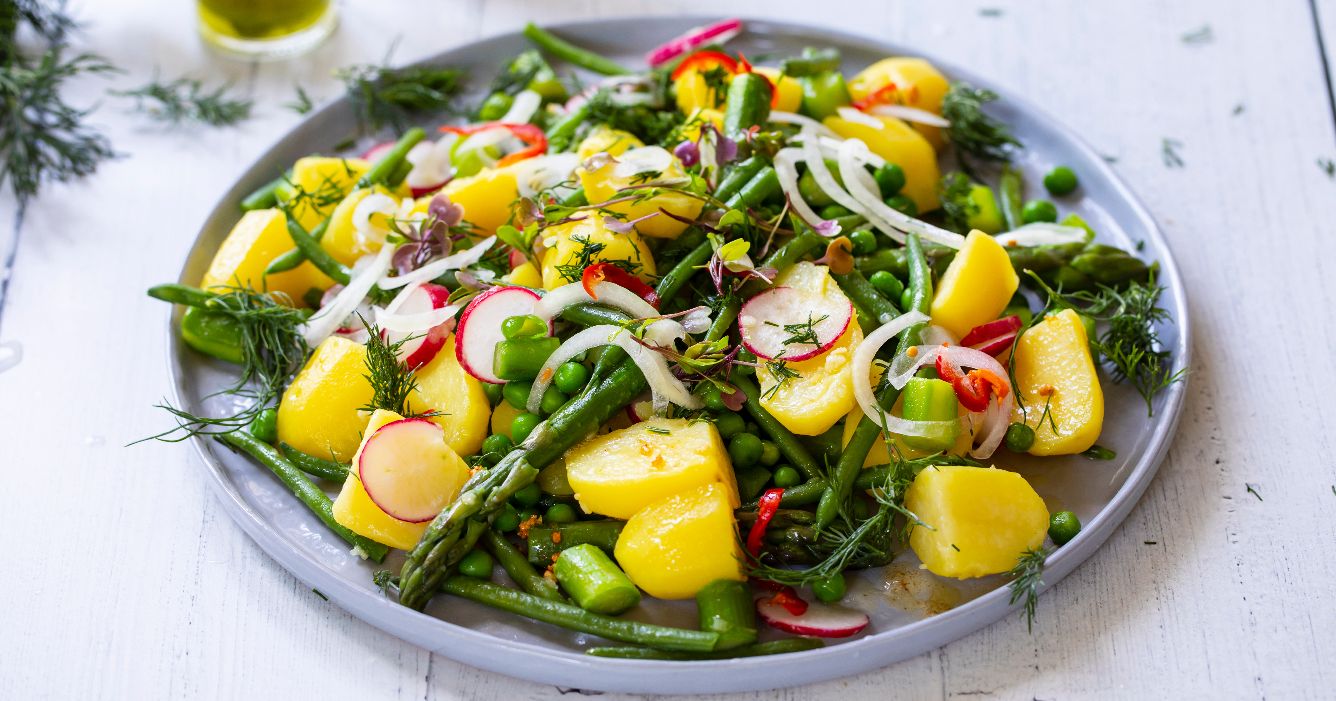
[
  {"x": 301, "y": 102},
  {"x": 185, "y": 100},
  {"x": 384, "y": 96},
  {"x": 1027, "y": 577}
]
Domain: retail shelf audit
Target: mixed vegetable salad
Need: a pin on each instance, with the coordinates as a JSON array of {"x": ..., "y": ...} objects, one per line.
[{"x": 713, "y": 330}]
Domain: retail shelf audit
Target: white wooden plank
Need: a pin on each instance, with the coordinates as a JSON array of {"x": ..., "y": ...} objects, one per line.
[{"x": 155, "y": 593}]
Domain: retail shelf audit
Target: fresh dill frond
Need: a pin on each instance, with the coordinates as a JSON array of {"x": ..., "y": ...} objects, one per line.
[
  {"x": 588, "y": 254},
  {"x": 780, "y": 370},
  {"x": 1169, "y": 152},
  {"x": 392, "y": 381},
  {"x": 803, "y": 332},
  {"x": 1252, "y": 489},
  {"x": 957, "y": 205},
  {"x": 1328, "y": 167},
  {"x": 651, "y": 125},
  {"x": 972, "y": 130},
  {"x": 384, "y": 96},
  {"x": 301, "y": 102},
  {"x": 185, "y": 100},
  {"x": 1201, "y": 35},
  {"x": 1026, "y": 580}
]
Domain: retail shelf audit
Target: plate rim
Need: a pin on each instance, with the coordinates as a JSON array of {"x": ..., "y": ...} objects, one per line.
[{"x": 543, "y": 664}]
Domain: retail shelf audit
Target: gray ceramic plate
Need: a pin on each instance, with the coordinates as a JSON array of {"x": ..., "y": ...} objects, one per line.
[{"x": 911, "y": 612}]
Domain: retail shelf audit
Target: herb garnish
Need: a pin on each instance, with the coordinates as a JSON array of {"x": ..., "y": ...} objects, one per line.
[
  {"x": 802, "y": 332},
  {"x": 1252, "y": 489},
  {"x": 1328, "y": 166},
  {"x": 384, "y": 96},
  {"x": 972, "y": 131},
  {"x": 780, "y": 370},
  {"x": 392, "y": 381},
  {"x": 1026, "y": 579},
  {"x": 1169, "y": 152},
  {"x": 957, "y": 206},
  {"x": 302, "y": 102},
  {"x": 185, "y": 100}
]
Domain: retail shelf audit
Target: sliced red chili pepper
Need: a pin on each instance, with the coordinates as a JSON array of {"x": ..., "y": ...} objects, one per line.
[
  {"x": 766, "y": 507},
  {"x": 999, "y": 386},
  {"x": 704, "y": 61},
  {"x": 972, "y": 393},
  {"x": 946, "y": 371},
  {"x": 974, "y": 388},
  {"x": 881, "y": 96},
  {"x": 610, "y": 272},
  {"x": 789, "y": 599},
  {"x": 528, "y": 133}
]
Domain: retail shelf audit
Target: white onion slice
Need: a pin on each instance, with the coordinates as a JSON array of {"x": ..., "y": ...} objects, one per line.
[
  {"x": 816, "y": 163},
  {"x": 610, "y": 294},
  {"x": 420, "y": 322},
  {"x": 644, "y": 159},
  {"x": 910, "y": 114},
  {"x": 1042, "y": 234},
  {"x": 861, "y": 367},
  {"x": 804, "y": 122},
  {"x": 787, "y": 172},
  {"x": 372, "y": 204},
  {"x": 522, "y": 110},
  {"x": 366, "y": 271},
  {"x": 431, "y": 162},
  {"x": 653, "y": 365},
  {"x": 935, "y": 335},
  {"x": 436, "y": 268},
  {"x": 853, "y": 153},
  {"x": 551, "y": 172},
  {"x": 849, "y": 114}
]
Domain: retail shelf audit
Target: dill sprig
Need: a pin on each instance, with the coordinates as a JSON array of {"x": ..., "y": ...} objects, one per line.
[
  {"x": 185, "y": 100},
  {"x": 392, "y": 381},
  {"x": 649, "y": 124},
  {"x": 957, "y": 206},
  {"x": 780, "y": 370},
  {"x": 301, "y": 101},
  {"x": 972, "y": 130},
  {"x": 384, "y": 96},
  {"x": 273, "y": 350},
  {"x": 1026, "y": 580},
  {"x": 803, "y": 332}
]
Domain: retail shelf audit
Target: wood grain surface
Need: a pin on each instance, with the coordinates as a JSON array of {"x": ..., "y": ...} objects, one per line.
[{"x": 125, "y": 579}]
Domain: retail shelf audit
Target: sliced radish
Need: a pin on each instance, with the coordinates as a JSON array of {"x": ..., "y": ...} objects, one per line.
[
  {"x": 409, "y": 471},
  {"x": 695, "y": 37},
  {"x": 423, "y": 343},
  {"x": 641, "y": 409},
  {"x": 816, "y": 619},
  {"x": 993, "y": 337},
  {"x": 375, "y": 153},
  {"x": 480, "y": 327},
  {"x": 771, "y": 320}
]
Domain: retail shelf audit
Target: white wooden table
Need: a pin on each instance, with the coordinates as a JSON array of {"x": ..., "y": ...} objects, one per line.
[{"x": 123, "y": 578}]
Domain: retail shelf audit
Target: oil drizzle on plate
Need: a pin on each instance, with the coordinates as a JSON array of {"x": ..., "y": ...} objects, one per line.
[{"x": 918, "y": 591}]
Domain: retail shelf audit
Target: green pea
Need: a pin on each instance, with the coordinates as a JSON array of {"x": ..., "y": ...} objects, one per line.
[
  {"x": 864, "y": 242},
  {"x": 265, "y": 426},
  {"x": 493, "y": 392},
  {"x": 902, "y": 204},
  {"x": 890, "y": 179},
  {"x": 744, "y": 449},
  {"x": 523, "y": 326},
  {"x": 495, "y": 107},
  {"x": 713, "y": 398},
  {"x": 786, "y": 477},
  {"x": 1063, "y": 526},
  {"x": 834, "y": 211},
  {"x": 507, "y": 520},
  {"x": 570, "y": 377},
  {"x": 517, "y": 394},
  {"x": 729, "y": 424},
  {"x": 887, "y": 284},
  {"x": 1019, "y": 438},
  {"x": 769, "y": 453},
  {"x": 553, "y": 399},
  {"x": 1039, "y": 211},
  {"x": 476, "y": 564},
  {"x": 528, "y": 495},
  {"x": 830, "y": 588},
  {"x": 1060, "y": 181},
  {"x": 522, "y": 425},
  {"x": 560, "y": 513},
  {"x": 497, "y": 445}
]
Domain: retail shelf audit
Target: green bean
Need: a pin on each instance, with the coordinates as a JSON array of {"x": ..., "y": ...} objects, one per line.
[
  {"x": 867, "y": 432},
  {"x": 546, "y": 541},
  {"x": 571, "y": 53},
  {"x": 316, "y": 467},
  {"x": 399, "y": 174},
  {"x": 675, "y": 279},
  {"x": 265, "y": 196},
  {"x": 312, "y": 250},
  {"x": 857, "y": 288},
  {"x": 575, "y": 618},
  {"x": 301, "y": 487},
  {"x": 561, "y": 136},
  {"x": 725, "y": 606},
  {"x": 773, "y": 647},
  {"x": 762, "y": 186},
  {"x": 1011, "y": 187},
  {"x": 788, "y": 444},
  {"x": 748, "y": 103},
  {"x": 518, "y": 568},
  {"x": 184, "y": 295},
  {"x": 594, "y": 581},
  {"x": 736, "y": 177}
]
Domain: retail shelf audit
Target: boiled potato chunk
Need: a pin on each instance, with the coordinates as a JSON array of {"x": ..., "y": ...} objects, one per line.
[
  {"x": 457, "y": 397},
  {"x": 823, "y": 391},
  {"x": 918, "y": 84},
  {"x": 354, "y": 509},
  {"x": 674, "y": 547},
  {"x": 488, "y": 198},
  {"x": 1053, "y": 366},
  {"x": 619, "y": 473},
  {"x": 256, "y": 240},
  {"x": 898, "y": 143},
  {"x": 976, "y": 287},
  {"x": 635, "y": 167},
  {"x": 586, "y": 241},
  {"x": 341, "y": 239},
  {"x": 790, "y": 92},
  {"x": 320, "y": 411},
  {"x": 982, "y": 519},
  {"x": 317, "y": 184},
  {"x": 502, "y": 416},
  {"x": 605, "y": 139},
  {"x": 525, "y": 274}
]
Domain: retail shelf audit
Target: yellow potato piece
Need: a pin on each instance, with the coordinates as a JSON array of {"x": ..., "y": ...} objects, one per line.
[
  {"x": 605, "y": 139},
  {"x": 694, "y": 93},
  {"x": 256, "y": 240},
  {"x": 604, "y": 184},
  {"x": 790, "y": 91},
  {"x": 823, "y": 392},
  {"x": 1054, "y": 357},
  {"x": 318, "y": 184},
  {"x": 588, "y": 241},
  {"x": 619, "y": 473},
  {"x": 354, "y": 509},
  {"x": 525, "y": 274},
  {"x": 320, "y": 411},
  {"x": 502, "y": 416},
  {"x": 898, "y": 143},
  {"x": 488, "y": 198},
  {"x": 918, "y": 84},
  {"x": 674, "y": 547},
  {"x": 981, "y": 519},
  {"x": 444, "y": 386},
  {"x": 976, "y": 287}
]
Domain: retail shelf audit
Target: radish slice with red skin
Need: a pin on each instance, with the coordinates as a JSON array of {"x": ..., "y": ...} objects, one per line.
[
  {"x": 480, "y": 327},
  {"x": 422, "y": 344},
  {"x": 642, "y": 409},
  {"x": 408, "y": 470},
  {"x": 764, "y": 317},
  {"x": 375, "y": 153},
  {"x": 819, "y": 620},
  {"x": 695, "y": 37},
  {"x": 993, "y": 337}
]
